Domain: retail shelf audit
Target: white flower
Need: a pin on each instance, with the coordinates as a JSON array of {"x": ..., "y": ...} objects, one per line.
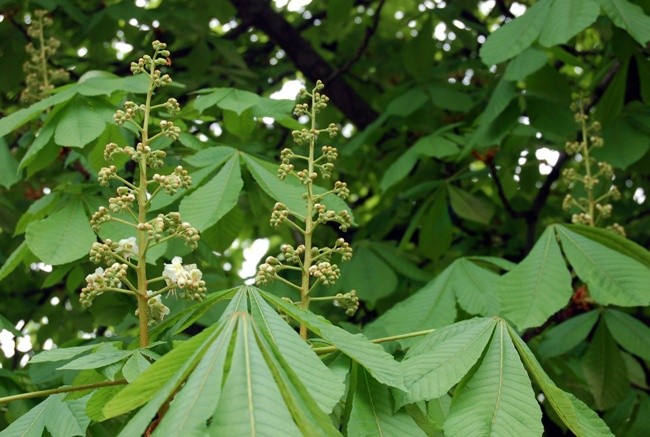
[
  {"x": 96, "y": 280},
  {"x": 174, "y": 271},
  {"x": 127, "y": 247}
]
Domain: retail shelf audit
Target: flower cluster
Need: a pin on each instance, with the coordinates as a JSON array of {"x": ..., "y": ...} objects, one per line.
[
  {"x": 102, "y": 280},
  {"x": 186, "y": 277},
  {"x": 314, "y": 263},
  {"x": 596, "y": 182},
  {"x": 39, "y": 75}
]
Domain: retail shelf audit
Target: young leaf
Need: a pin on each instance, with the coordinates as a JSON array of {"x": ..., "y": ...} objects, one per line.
[
  {"x": 381, "y": 365},
  {"x": 210, "y": 202},
  {"x": 498, "y": 398},
  {"x": 628, "y": 16},
  {"x": 517, "y": 35},
  {"x": 605, "y": 369},
  {"x": 538, "y": 287},
  {"x": 567, "y": 18},
  {"x": 567, "y": 335},
  {"x": 434, "y": 365},
  {"x": 63, "y": 237},
  {"x": 372, "y": 413},
  {"x": 613, "y": 278},
  {"x": 579, "y": 418},
  {"x": 629, "y": 332}
]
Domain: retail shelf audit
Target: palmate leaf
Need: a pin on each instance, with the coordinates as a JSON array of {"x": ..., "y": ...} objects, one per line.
[
  {"x": 372, "y": 413},
  {"x": 433, "y": 306},
  {"x": 209, "y": 203},
  {"x": 538, "y": 287},
  {"x": 613, "y": 241},
  {"x": 605, "y": 370},
  {"x": 629, "y": 332},
  {"x": 497, "y": 399},
  {"x": 381, "y": 365},
  {"x": 63, "y": 237},
  {"x": 582, "y": 421},
  {"x": 613, "y": 278},
  {"x": 435, "y": 364},
  {"x": 567, "y": 335}
]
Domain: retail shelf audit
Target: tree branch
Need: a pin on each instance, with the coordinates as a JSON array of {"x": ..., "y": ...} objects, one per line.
[{"x": 306, "y": 59}]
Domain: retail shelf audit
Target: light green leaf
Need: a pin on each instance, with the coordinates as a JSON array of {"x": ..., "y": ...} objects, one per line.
[
  {"x": 566, "y": 19},
  {"x": 623, "y": 143},
  {"x": 290, "y": 190},
  {"x": 435, "y": 364},
  {"x": 212, "y": 156},
  {"x": 613, "y": 278},
  {"x": 582, "y": 421},
  {"x": 208, "y": 203},
  {"x": 68, "y": 418},
  {"x": 567, "y": 335},
  {"x": 517, "y": 35},
  {"x": 95, "y": 83},
  {"x": 103, "y": 356},
  {"x": 525, "y": 63},
  {"x": 498, "y": 398},
  {"x": 42, "y": 140},
  {"x": 613, "y": 241},
  {"x": 63, "y": 237},
  {"x": 605, "y": 370},
  {"x": 628, "y": 16},
  {"x": 230, "y": 99},
  {"x": 538, "y": 287},
  {"x": 470, "y": 207},
  {"x": 372, "y": 413},
  {"x": 475, "y": 288},
  {"x": 134, "y": 366},
  {"x": 32, "y": 423},
  {"x": 22, "y": 116},
  {"x": 324, "y": 386},
  {"x": 81, "y": 122},
  {"x": 8, "y": 166},
  {"x": 629, "y": 332},
  {"x": 64, "y": 353},
  {"x": 381, "y": 365},
  {"x": 369, "y": 275},
  {"x": 432, "y": 306},
  {"x": 14, "y": 260}
]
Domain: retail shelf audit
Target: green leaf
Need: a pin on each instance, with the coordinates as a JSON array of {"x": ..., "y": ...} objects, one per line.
[
  {"x": 582, "y": 421},
  {"x": 628, "y": 16},
  {"x": 81, "y": 122},
  {"x": 32, "y": 423},
  {"x": 435, "y": 364},
  {"x": 103, "y": 356},
  {"x": 8, "y": 166},
  {"x": 470, "y": 207},
  {"x": 446, "y": 96},
  {"x": 629, "y": 332},
  {"x": 323, "y": 385},
  {"x": 372, "y": 413},
  {"x": 64, "y": 353},
  {"x": 212, "y": 156},
  {"x": 498, "y": 398},
  {"x": 435, "y": 226},
  {"x": 613, "y": 278},
  {"x": 525, "y": 63},
  {"x": 475, "y": 288},
  {"x": 567, "y": 335},
  {"x": 6, "y": 324},
  {"x": 381, "y": 365},
  {"x": 210, "y": 202},
  {"x": 95, "y": 83},
  {"x": 567, "y": 18},
  {"x": 517, "y": 35},
  {"x": 134, "y": 366},
  {"x": 41, "y": 141},
  {"x": 63, "y": 237},
  {"x": 538, "y": 287},
  {"x": 14, "y": 260},
  {"x": 614, "y": 241},
  {"x": 369, "y": 275},
  {"x": 623, "y": 143},
  {"x": 432, "y": 306},
  {"x": 605, "y": 370},
  {"x": 68, "y": 418},
  {"x": 229, "y": 99}
]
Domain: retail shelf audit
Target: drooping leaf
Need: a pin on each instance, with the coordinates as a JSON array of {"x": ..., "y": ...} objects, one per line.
[
  {"x": 579, "y": 418},
  {"x": 498, "y": 398},
  {"x": 14, "y": 260},
  {"x": 517, "y": 35},
  {"x": 623, "y": 143},
  {"x": 629, "y": 332},
  {"x": 42, "y": 140},
  {"x": 613, "y": 278},
  {"x": 210, "y": 202},
  {"x": 435, "y": 226},
  {"x": 567, "y": 335},
  {"x": 469, "y": 206},
  {"x": 475, "y": 288},
  {"x": 432, "y": 306},
  {"x": 372, "y": 413},
  {"x": 63, "y": 237},
  {"x": 538, "y": 287},
  {"x": 567, "y": 18},
  {"x": 605, "y": 369},
  {"x": 628, "y": 16},
  {"x": 436, "y": 363},
  {"x": 381, "y": 365}
]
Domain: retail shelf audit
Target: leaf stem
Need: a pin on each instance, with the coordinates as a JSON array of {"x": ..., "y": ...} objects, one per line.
[
  {"x": 329, "y": 349},
  {"x": 53, "y": 391}
]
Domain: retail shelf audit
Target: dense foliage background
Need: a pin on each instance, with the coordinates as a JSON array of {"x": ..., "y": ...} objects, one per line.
[{"x": 453, "y": 144}]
